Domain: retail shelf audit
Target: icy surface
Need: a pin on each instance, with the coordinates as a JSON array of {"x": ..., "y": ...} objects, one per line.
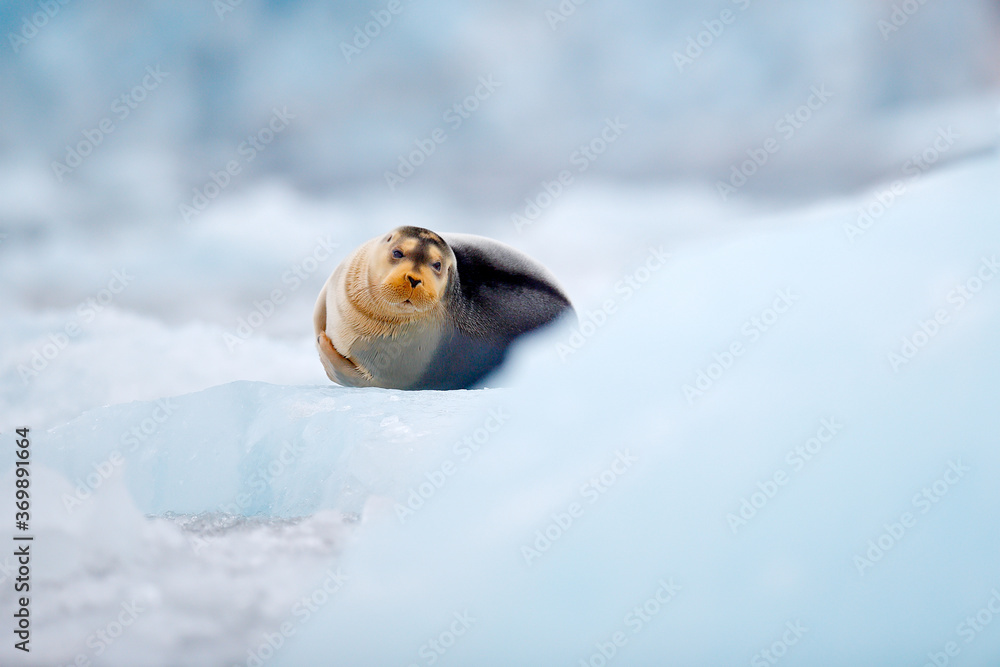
[
  {"x": 111, "y": 587},
  {"x": 415, "y": 516},
  {"x": 255, "y": 449}
]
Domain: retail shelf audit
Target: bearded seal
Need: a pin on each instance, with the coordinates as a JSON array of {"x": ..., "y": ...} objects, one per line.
[{"x": 413, "y": 309}]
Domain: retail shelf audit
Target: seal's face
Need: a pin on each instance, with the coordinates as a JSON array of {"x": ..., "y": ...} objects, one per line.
[{"x": 410, "y": 268}]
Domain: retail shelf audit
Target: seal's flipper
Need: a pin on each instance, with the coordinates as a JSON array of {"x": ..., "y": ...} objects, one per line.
[{"x": 339, "y": 368}]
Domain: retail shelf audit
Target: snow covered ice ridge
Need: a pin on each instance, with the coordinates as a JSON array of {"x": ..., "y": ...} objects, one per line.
[
  {"x": 112, "y": 587},
  {"x": 858, "y": 547}
]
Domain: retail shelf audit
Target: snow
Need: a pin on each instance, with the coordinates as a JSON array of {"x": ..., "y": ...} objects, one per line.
[
  {"x": 787, "y": 389},
  {"x": 259, "y": 515},
  {"x": 112, "y": 587}
]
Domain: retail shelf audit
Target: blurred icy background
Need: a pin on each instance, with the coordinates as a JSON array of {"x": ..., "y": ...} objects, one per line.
[
  {"x": 223, "y": 68},
  {"x": 122, "y": 284}
]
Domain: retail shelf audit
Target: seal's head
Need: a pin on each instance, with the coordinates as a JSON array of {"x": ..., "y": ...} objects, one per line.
[{"x": 408, "y": 271}]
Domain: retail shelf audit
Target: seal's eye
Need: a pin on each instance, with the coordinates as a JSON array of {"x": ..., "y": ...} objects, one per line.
[
  {"x": 397, "y": 253},
  {"x": 437, "y": 266}
]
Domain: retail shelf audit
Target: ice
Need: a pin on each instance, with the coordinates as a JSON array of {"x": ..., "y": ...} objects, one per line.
[
  {"x": 820, "y": 371},
  {"x": 110, "y": 587},
  {"x": 410, "y": 520},
  {"x": 792, "y": 412},
  {"x": 255, "y": 449}
]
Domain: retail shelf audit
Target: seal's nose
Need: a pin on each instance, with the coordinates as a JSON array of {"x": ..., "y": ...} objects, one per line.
[{"x": 413, "y": 281}]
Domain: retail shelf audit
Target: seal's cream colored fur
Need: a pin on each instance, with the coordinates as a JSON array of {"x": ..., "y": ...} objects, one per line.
[{"x": 375, "y": 293}]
